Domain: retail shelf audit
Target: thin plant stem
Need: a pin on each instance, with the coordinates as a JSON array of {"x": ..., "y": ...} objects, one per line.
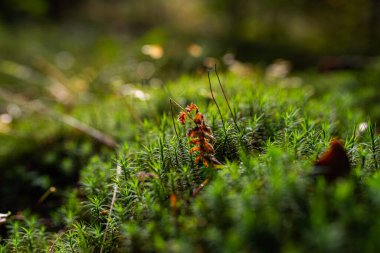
[
  {"x": 217, "y": 106},
  {"x": 114, "y": 195},
  {"x": 171, "y": 109},
  {"x": 373, "y": 145},
  {"x": 183, "y": 109},
  {"x": 225, "y": 97},
  {"x": 51, "y": 189},
  {"x": 175, "y": 130},
  {"x": 200, "y": 187}
]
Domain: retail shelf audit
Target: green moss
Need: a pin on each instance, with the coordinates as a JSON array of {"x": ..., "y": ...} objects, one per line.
[{"x": 260, "y": 200}]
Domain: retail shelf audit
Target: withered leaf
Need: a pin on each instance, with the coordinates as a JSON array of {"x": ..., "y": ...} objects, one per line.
[
  {"x": 199, "y": 119},
  {"x": 196, "y": 161},
  {"x": 196, "y": 148},
  {"x": 195, "y": 141},
  {"x": 208, "y": 148},
  {"x": 182, "y": 118},
  {"x": 194, "y": 132},
  {"x": 192, "y": 107}
]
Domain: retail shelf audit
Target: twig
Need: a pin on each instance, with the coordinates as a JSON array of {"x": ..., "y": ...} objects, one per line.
[
  {"x": 225, "y": 97},
  {"x": 200, "y": 187},
  {"x": 38, "y": 106},
  {"x": 79, "y": 125},
  {"x": 115, "y": 189}
]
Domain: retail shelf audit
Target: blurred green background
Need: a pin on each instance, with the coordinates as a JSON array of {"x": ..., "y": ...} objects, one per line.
[
  {"x": 306, "y": 33},
  {"x": 86, "y": 58}
]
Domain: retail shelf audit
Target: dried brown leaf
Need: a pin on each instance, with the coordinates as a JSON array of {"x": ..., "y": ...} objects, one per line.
[{"x": 182, "y": 118}]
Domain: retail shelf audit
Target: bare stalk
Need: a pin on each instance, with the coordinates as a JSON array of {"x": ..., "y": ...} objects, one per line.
[
  {"x": 225, "y": 97},
  {"x": 183, "y": 109},
  {"x": 171, "y": 109},
  {"x": 51, "y": 190},
  {"x": 217, "y": 106},
  {"x": 200, "y": 187},
  {"x": 115, "y": 189},
  {"x": 175, "y": 130},
  {"x": 373, "y": 144}
]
